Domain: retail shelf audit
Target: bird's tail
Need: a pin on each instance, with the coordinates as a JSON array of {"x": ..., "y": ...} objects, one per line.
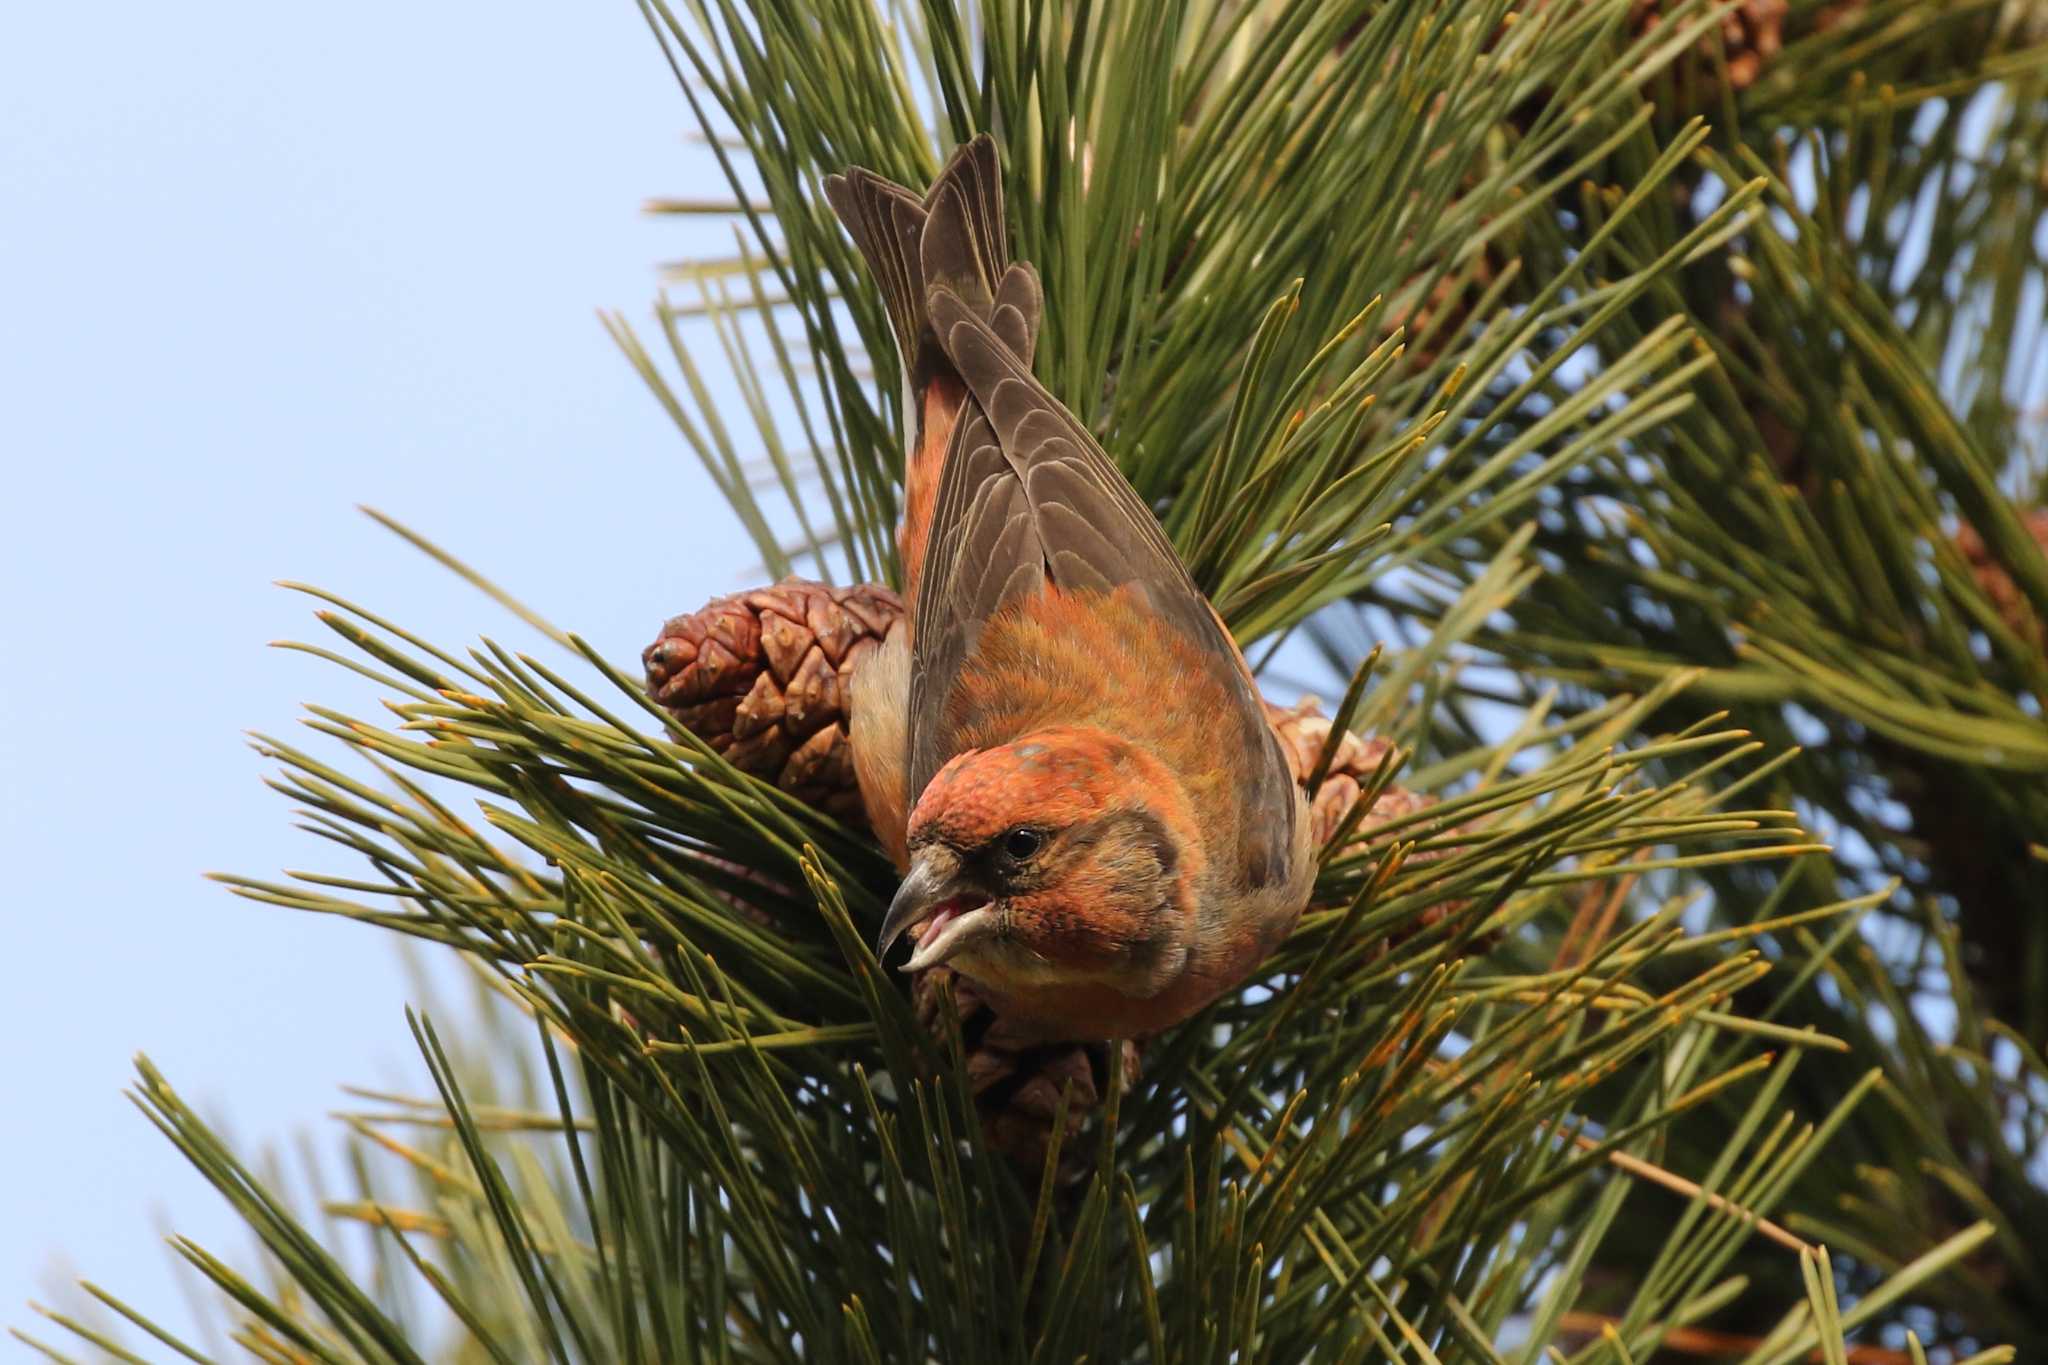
[{"x": 952, "y": 238}]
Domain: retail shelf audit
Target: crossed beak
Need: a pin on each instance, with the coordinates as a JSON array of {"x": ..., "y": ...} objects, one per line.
[{"x": 934, "y": 894}]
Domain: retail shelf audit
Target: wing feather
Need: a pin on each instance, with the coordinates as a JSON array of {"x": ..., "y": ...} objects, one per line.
[
  {"x": 983, "y": 554},
  {"x": 1028, "y": 497}
]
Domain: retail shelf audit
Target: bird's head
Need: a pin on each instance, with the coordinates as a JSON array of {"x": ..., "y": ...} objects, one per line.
[{"x": 1066, "y": 858}]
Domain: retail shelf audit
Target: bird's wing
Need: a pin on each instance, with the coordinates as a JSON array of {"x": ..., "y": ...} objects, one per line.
[{"x": 1026, "y": 497}]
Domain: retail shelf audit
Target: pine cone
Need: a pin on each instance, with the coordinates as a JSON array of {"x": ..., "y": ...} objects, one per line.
[
  {"x": 1303, "y": 730},
  {"x": 1997, "y": 584},
  {"x": 1751, "y": 34},
  {"x": 1018, "y": 1085},
  {"x": 762, "y": 677}
]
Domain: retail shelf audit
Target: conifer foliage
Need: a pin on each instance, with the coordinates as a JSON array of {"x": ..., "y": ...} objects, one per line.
[{"x": 1595, "y": 402}]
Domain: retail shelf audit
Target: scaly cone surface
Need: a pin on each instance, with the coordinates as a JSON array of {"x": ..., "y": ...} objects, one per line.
[{"x": 762, "y": 677}]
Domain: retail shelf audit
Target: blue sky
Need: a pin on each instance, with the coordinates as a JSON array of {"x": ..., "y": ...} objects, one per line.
[{"x": 259, "y": 264}]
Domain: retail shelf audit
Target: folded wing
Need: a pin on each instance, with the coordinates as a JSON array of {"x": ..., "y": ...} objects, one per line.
[{"x": 1027, "y": 499}]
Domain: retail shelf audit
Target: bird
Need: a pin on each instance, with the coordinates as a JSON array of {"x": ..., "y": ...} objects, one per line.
[{"x": 1061, "y": 745}]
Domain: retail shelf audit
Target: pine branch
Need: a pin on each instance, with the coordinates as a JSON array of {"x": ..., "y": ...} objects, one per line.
[{"x": 1528, "y": 324}]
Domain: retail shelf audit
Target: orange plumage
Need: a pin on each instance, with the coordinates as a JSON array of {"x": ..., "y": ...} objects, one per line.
[{"x": 1100, "y": 859}]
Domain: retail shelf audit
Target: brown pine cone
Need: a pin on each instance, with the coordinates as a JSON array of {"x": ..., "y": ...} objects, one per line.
[
  {"x": 1997, "y": 584},
  {"x": 762, "y": 677},
  {"x": 1017, "y": 1084},
  {"x": 1303, "y": 730},
  {"x": 1751, "y": 34}
]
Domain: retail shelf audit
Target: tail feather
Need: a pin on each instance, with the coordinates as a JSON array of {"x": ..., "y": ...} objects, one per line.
[
  {"x": 962, "y": 247},
  {"x": 886, "y": 222},
  {"x": 952, "y": 236},
  {"x": 953, "y": 239},
  {"x": 961, "y": 250}
]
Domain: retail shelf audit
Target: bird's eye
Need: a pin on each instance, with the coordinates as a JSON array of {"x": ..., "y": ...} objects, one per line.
[{"x": 1020, "y": 843}]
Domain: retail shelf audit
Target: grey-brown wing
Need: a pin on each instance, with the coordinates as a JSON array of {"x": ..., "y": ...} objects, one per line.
[
  {"x": 984, "y": 552},
  {"x": 978, "y": 505},
  {"x": 1033, "y": 497}
]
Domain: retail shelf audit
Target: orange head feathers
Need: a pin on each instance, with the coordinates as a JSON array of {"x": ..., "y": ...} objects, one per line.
[
  {"x": 1099, "y": 827},
  {"x": 1066, "y": 857}
]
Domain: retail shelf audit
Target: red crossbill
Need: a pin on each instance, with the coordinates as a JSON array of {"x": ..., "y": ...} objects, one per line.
[{"x": 1100, "y": 856}]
